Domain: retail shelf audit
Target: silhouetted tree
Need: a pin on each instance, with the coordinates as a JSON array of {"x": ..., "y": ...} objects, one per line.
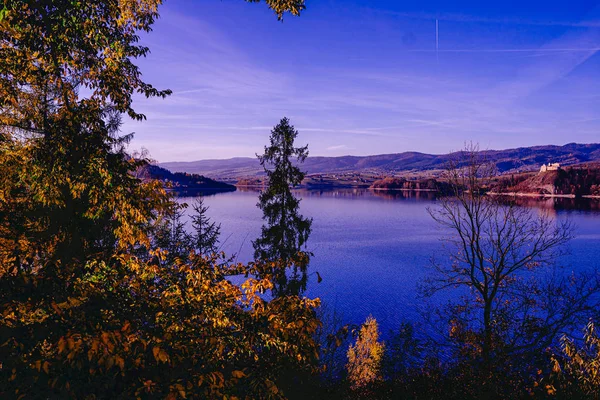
[
  {"x": 511, "y": 304},
  {"x": 170, "y": 234},
  {"x": 206, "y": 232},
  {"x": 280, "y": 246}
]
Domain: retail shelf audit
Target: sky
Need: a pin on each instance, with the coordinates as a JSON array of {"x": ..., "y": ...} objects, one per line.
[{"x": 370, "y": 77}]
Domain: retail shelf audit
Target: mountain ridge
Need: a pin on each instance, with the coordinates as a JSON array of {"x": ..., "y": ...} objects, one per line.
[{"x": 508, "y": 160}]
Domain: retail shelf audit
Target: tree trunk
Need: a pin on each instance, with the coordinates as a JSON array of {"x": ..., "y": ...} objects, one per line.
[{"x": 487, "y": 333}]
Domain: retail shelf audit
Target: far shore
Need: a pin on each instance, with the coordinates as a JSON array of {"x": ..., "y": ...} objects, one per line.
[
  {"x": 321, "y": 187},
  {"x": 513, "y": 194},
  {"x": 542, "y": 195},
  {"x": 404, "y": 190}
]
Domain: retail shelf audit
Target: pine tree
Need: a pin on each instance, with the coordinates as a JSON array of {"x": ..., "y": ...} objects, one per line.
[
  {"x": 206, "y": 232},
  {"x": 280, "y": 246}
]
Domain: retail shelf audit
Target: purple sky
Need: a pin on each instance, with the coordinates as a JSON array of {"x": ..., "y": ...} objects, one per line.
[{"x": 364, "y": 77}]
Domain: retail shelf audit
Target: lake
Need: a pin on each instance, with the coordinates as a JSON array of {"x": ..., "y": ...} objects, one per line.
[{"x": 373, "y": 248}]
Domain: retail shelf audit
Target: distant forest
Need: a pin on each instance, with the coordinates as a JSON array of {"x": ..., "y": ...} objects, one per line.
[{"x": 183, "y": 180}]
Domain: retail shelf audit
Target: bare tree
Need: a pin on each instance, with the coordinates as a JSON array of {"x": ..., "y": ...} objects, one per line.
[{"x": 502, "y": 256}]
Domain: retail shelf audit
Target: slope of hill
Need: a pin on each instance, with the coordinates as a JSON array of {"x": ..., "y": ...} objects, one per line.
[
  {"x": 510, "y": 160},
  {"x": 578, "y": 181},
  {"x": 182, "y": 181}
]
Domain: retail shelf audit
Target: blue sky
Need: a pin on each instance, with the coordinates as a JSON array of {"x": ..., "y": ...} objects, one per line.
[{"x": 365, "y": 78}]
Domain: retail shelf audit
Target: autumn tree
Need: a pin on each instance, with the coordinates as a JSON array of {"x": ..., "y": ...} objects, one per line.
[
  {"x": 575, "y": 370},
  {"x": 281, "y": 244},
  {"x": 508, "y": 300},
  {"x": 89, "y": 306},
  {"x": 365, "y": 356}
]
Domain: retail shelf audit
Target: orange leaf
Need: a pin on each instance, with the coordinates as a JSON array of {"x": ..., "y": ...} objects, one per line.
[
  {"x": 61, "y": 345},
  {"x": 163, "y": 356},
  {"x": 120, "y": 362},
  {"x": 238, "y": 374}
]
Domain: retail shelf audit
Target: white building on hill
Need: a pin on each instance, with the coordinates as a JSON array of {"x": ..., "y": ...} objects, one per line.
[{"x": 550, "y": 167}]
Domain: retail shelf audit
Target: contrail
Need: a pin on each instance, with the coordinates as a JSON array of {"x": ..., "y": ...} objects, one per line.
[
  {"x": 437, "y": 42},
  {"x": 556, "y": 50}
]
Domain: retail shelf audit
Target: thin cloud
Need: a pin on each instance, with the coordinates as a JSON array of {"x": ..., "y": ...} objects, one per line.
[
  {"x": 226, "y": 99},
  {"x": 337, "y": 147},
  {"x": 453, "y": 17},
  {"x": 540, "y": 73},
  {"x": 367, "y": 131}
]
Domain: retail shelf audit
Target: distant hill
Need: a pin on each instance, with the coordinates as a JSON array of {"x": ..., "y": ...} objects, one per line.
[
  {"x": 510, "y": 160},
  {"x": 182, "y": 181}
]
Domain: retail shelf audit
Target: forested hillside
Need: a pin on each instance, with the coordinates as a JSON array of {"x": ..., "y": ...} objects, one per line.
[
  {"x": 511, "y": 160},
  {"x": 182, "y": 180}
]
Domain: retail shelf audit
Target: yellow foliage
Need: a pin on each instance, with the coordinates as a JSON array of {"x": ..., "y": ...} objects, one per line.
[
  {"x": 88, "y": 308},
  {"x": 581, "y": 365},
  {"x": 365, "y": 356}
]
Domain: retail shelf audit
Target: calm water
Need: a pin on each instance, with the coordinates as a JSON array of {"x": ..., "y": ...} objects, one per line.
[{"x": 372, "y": 249}]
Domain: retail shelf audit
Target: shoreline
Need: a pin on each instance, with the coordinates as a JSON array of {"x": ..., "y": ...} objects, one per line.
[
  {"x": 405, "y": 190},
  {"x": 506, "y": 194},
  {"x": 544, "y": 195}
]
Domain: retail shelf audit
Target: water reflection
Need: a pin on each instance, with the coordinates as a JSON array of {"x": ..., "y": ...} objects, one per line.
[
  {"x": 560, "y": 203},
  {"x": 405, "y": 194},
  {"x": 372, "y": 248},
  {"x": 357, "y": 193},
  {"x": 183, "y": 193},
  {"x": 545, "y": 203}
]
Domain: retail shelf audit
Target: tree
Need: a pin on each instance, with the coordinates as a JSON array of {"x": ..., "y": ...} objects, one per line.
[
  {"x": 365, "y": 356},
  {"x": 206, "y": 232},
  {"x": 75, "y": 169},
  {"x": 404, "y": 351},
  {"x": 286, "y": 231},
  {"x": 280, "y": 7},
  {"x": 51, "y": 49},
  {"x": 511, "y": 302},
  {"x": 576, "y": 370},
  {"x": 170, "y": 233},
  {"x": 90, "y": 307}
]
